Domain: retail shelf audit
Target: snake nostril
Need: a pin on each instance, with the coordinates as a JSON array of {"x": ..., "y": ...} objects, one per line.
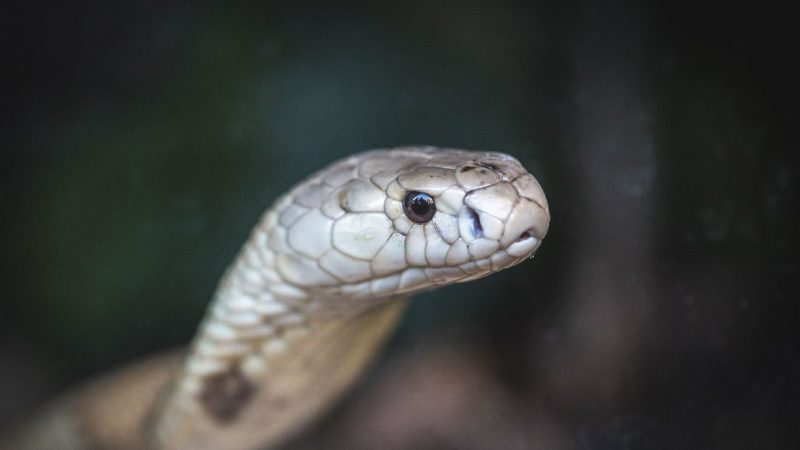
[
  {"x": 475, "y": 223},
  {"x": 525, "y": 235}
]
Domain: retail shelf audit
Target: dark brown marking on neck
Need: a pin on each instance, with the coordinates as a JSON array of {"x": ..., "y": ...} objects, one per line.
[{"x": 225, "y": 395}]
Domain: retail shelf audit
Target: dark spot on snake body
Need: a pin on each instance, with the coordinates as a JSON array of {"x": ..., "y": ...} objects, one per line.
[
  {"x": 225, "y": 395},
  {"x": 480, "y": 168}
]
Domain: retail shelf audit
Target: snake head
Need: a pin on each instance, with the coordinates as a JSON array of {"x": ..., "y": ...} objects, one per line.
[{"x": 393, "y": 222}]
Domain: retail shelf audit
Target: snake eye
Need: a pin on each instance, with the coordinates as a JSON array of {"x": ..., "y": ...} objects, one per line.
[{"x": 419, "y": 207}]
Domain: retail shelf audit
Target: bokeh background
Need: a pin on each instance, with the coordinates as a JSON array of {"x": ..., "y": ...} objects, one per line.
[{"x": 143, "y": 140}]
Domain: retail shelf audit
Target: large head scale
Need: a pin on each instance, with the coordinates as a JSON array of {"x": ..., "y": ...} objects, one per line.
[{"x": 390, "y": 222}]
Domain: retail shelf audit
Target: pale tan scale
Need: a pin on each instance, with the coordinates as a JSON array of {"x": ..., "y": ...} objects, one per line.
[
  {"x": 361, "y": 196},
  {"x": 288, "y": 320},
  {"x": 220, "y": 331},
  {"x": 435, "y": 246},
  {"x": 286, "y": 291},
  {"x": 497, "y": 200},
  {"x": 214, "y": 350},
  {"x": 311, "y": 195},
  {"x": 384, "y": 286},
  {"x": 482, "y": 248},
  {"x": 382, "y": 171},
  {"x": 202, "y": 365},
  {"x": 312, "y": 223},
  {"x": 269, "y": 277},
  {"x": 345, "y": 268},
  {"x": 402, "y": 225},
  {"x": 277, "y": 241},
  {"x": 529, "y": 188},
  {"x": 240, "y": 303},
  {"x": 457, "y": 253},
  {"x": 431, "y": 180},
  {"x": 473, "y": 176},
  {"x": 469, "y": 267},
  {"x": 254, "y": 365},
  {"x": 439, "y": 275},
  {"x": 361, "y": 235},
  {"x": 291, "y": 214},
  {"x": 500, "y": 260},
  {"x": 395, "y": 191},
  {"x": 268, "y": 256},
  {"x": 274, "y": 347},
  {"x": 492, "y": 227},
  {"x": 258, "y": 333},
  {"x": 243, "y": 319},
  {"x": 484, "y": 264},
  {"x": 391, "y": 257},
  {"x": 340, "y": 174},
  {"x": 415, "y": 247},
  {"x": 412, "y": 278},
  {"x": 522, "y": 218},
  {"x": 447, "y": 226},
  {"x": 270, "y": 309},
  {"x": 392, "y": 208},
  {"x": 248, "y": 276},
  {"x": 303, "y": 272},
  {"x": 450, "y": 201},
  {"x": 332, "y": 207},
  {"x": 253, "y": 258}
]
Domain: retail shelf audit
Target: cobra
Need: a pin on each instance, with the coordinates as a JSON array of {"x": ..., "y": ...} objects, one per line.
[{"x": 310, "y": 298}]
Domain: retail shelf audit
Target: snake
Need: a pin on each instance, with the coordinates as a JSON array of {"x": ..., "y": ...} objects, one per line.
[{"x": 309, "y": 301}]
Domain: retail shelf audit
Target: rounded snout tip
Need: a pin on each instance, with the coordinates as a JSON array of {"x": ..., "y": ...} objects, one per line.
[{"x": 526, "y": 227}]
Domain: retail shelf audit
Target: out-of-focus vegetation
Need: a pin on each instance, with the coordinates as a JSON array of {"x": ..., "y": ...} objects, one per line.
[{"x": 144, "y": 139}]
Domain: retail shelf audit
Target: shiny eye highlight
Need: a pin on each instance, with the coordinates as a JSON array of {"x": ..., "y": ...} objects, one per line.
[{"x": 419, "y": 207}]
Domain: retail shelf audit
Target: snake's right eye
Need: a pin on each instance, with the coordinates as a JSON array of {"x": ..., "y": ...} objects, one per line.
[{"x": 419, "y": 207}]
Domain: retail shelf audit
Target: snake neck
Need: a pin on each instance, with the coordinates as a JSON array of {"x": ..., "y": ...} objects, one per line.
[
  {"x": 220, "y": 395},
  {"x": 268, "y": 357}
]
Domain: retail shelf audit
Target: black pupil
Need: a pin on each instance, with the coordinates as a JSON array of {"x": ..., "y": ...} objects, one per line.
[{"x": 419, "y": 207}]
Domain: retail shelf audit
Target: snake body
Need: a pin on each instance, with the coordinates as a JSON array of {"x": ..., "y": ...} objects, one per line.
[{"x": 310, "y": 298}]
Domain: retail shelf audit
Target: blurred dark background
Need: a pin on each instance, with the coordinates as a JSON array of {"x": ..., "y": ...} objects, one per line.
[{"x": 144, "y": 139}]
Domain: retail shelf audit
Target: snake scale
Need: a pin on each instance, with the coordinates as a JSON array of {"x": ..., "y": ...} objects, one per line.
[{"x": 310, "y": 298}]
